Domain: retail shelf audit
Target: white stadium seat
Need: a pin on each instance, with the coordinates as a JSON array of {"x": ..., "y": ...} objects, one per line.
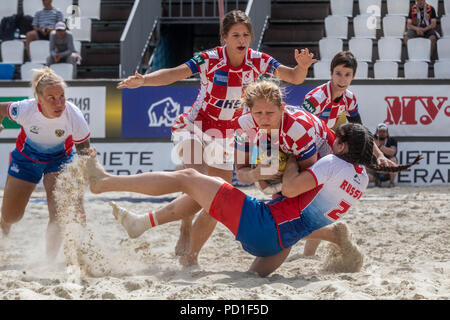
[
  {"x": 445, "y": 26},
  {"x": 83, "y": 33},
  {"x": 442, "y": 69},
  {"x": 39, "y": 51},
  {"x": 8, "y": 8},
  {"x": 90, "y": 8},
  {"x": 398, "y": 7},
  {"x": 363, "y": 28},
  {"x": 64, "y": 70},
  {"x": 443, "y": 49},
  {"x": 368, "y": 6},
  {"x": 447, "y": 7},
  {"x": 338, "y": 7},
  {"x": 26, "y": 70},
  {"x": 390, "y": 49},
  {"x": 385, "y": 69},
  {"x": 12, "y": 51},
  {"x": 30, "y": 7},
  {"x": 63, "y": 6},
  {"x": 362, "y": 72},
  {"x": 336, "y": 27},
  {"x": 434, "y": 4},
  {"x": 322, "y": 69},
  {"x": 416, "y": 70},
  {"x": 361, "y": 48},
  {"x": 329, "y": 47},
  {"x": 419, "y": 49},
  {"x": 394, "y": 26}
]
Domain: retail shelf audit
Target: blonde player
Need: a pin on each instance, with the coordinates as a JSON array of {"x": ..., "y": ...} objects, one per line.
[{"x": 50, "y": 127}]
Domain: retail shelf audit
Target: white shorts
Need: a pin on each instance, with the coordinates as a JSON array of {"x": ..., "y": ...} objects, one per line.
[{"x": 216, "y": 152}]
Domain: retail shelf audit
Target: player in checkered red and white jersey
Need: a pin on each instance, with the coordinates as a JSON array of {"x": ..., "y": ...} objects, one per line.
[
  {"x": 225, "y": 72},
  {"x": 51, "y": 126}
]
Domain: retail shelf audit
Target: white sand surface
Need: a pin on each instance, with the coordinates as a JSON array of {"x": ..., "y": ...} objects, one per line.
[{"x": 404, "y": 233}]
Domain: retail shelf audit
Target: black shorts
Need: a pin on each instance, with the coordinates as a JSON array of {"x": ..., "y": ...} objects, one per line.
[
  {"x": 413, "y": 34},
  {"x": 42, "y": 36}
]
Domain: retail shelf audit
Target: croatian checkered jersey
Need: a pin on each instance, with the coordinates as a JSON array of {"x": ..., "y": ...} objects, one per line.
[
  {"x": 218, "y": 102},
  {"x": 42, "y": 139},
  {"x": 301, "y": 133},
  {"x": 339, "y": 184},
  {"x": 319, "y": 102}
]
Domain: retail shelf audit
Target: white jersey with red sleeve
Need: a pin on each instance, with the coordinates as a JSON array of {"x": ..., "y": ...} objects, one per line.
[
  {"x": 42, "y": 139},
  {"x": 218, "y": 104},
  {"x": 319, "y": 102}
]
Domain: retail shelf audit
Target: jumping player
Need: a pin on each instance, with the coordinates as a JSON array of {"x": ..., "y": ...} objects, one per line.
[
  {"x": 50, "y": 127},
  {"x": 225, "y": 72},
  {"x": 319, "y": 196}
]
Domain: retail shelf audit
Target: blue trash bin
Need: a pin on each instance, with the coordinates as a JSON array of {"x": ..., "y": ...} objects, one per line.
[{"x": 7, "y": 71}]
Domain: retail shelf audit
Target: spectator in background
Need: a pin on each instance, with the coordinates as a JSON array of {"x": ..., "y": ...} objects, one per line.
[
  {"x": 43, "y": 23},
  {"x": 62, "y": 49},
  {"x": 388, "y": 146},
  {"x": 422, "y": 23}
]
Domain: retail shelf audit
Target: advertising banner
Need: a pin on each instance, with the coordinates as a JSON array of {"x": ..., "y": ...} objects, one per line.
[
  {"x": 90, "y": 100},
  {"x": 150, "y": 112},
  {"x": 408, "y": 110}
]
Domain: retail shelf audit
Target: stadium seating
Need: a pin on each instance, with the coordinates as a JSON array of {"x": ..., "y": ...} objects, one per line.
[
  {"x": 447, "y": 7},
  {"x": 338, "y": 7},
  {"x": 368, "y": 6},
  {"x": 336, "y": 27},
  {"x": 26, "y": 70},
  {"x": 385, "y": 69},
  {"x": 419, "y": 49},
  {"x": 394, "y": 26},
  {"x": 398, "y": 7},
  {"x": 12, "y": 51},
  {"x": 7, "y": 71},
  {"x": 322, "y": 69},
  {"x": 8, "y": 8},
  {"x": 63, "y": 6},
  {"x": 362, "y": 27},
  {"x": 362, "y": 72},
  {"x": 329, "y": 47},
  {"x": 390, "y": 49},
  {"x": 90, "y": 8},
  {"x": 361, "y": 48},
  {"x": 39, "y": 51},
  {"x": 442, "y": 69},
  {"x": 434, "y": 4},
  {"x": 445, "y": 26},
  {"x": 443, "y": 49},
  {"x": 416, "y": 70},
  {"x": 64, "y": 70}
]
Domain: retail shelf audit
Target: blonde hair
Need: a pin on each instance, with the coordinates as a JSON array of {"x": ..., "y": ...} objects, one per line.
[
  {"x": 263, "y": 90},
  {"x": 42, "y": 78}
]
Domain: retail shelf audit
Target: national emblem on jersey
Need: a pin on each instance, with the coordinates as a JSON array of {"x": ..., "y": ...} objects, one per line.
[{"x": 319, "y": 102}]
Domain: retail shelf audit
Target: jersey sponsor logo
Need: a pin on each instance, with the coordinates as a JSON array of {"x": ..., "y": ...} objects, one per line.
[
  {"x": 221, "y": 78},
  {"x": 15, "y": 168},
  {"x": 309, "y": 106},
  {"x": 228, "y": 104},
  {"x": 198, "y": 59},
  {"x": 59, "y": 132},
  {"x": 351, "y": 190},
  {"x": 163, "y": 112},
  {"x": 247, "y": 78},
  {"x": 34, "y": 129},
  {"x": 403, "y": 110}
]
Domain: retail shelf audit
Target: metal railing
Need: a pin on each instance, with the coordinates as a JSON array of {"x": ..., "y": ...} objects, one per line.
[
  {"x": 198, "y": 9},
  {"x": 137, "y": 34},
  {"x": 259, "y": 12}
]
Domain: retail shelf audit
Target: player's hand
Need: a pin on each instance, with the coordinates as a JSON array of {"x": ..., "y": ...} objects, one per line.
[
  {"x": 304, "y": 57},
  {"x": 266, "y": 172},
  {"x": 132, "y": 82},
  {"x": 1, "y": 127},
  {"x": 383, "y": 161}
]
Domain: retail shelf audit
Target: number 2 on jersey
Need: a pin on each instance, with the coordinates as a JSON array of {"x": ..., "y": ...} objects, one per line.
[{"x": 338, "y": 212}]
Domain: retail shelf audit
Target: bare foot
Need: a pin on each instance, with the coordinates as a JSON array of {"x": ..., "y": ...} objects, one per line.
[
  {"x": 183, "y": 244},
  {"x": 95, "y": 172},
  {"x": 134, "y": 225},
  {"x": 188, "y": 260},
  {"x": 6, "y": 228}
]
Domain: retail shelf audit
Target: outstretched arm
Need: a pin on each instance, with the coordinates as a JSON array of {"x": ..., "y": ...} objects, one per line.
[
  {"x": 297, "y": 74},
  {"x": 161, "y": 77},
  {"x": 3, "y": 113},
  {"x": 295, "y": 182}
]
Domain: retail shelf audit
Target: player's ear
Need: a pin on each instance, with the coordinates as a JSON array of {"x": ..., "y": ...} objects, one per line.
[{"x": 283, "y": 104}]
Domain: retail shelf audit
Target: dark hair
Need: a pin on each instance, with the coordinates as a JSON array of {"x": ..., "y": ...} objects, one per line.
[
  {"x": 346, "y": 59},
  {"x": 360, "y": 148},
  {"x": 233, "y": 17}
]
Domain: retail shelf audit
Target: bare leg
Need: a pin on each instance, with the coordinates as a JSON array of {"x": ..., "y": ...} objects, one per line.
[
  {"x": 204, "y": 224},
  {"x": 15, "y": 199},
  {"x": 311, "y": 247},
  {"x": 31, "y": 36},
  {"x": 264, "y": 266}
]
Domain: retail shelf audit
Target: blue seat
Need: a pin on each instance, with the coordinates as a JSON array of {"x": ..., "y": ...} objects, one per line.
[{"x": 7, "y": 71}]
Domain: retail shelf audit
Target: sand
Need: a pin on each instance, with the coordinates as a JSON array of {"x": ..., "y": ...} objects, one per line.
[{"x": 403, "y": 233}]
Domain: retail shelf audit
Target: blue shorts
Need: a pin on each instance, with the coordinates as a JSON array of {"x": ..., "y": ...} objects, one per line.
[
  {"x": 250, "y": 221},
  {"x": 26, "y": 169}
]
